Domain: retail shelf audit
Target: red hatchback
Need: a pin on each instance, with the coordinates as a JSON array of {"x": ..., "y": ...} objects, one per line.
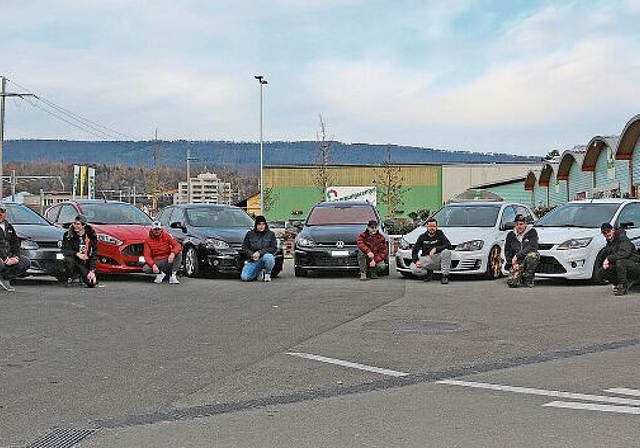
[{"x": 121, "y": 228}]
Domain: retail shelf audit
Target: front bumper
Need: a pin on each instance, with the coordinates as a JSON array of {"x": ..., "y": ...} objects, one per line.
[
  {"x": 125, "y": 259},
  {"x": 461, "y": 262},
  {"x": 326, "y": 258},
  {"x": 572, "y": 264},
  {"x": 44, "y": 261}
]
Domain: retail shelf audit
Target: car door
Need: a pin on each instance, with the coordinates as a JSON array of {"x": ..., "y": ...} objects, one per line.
[
  {"x": 629, "y": 217},
  {"x": 176, "y": 216}
]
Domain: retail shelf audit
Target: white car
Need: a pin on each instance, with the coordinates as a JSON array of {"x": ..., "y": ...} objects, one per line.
[
  {"x": 477, "y": 231},
  {"x": 570, "y": 241}
]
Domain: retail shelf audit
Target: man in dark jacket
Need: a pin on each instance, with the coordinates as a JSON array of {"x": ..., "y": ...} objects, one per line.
[
  {"x": 12, "y": 264},
  {"x": 259, "y": 246},
  {"x": 521, "y": 251},
  {"x": 432, "y": 251},
  {"x": 620, "y": 266},
  {"x": 80, "y": 250},
  {"x": 372, "y": 251}
]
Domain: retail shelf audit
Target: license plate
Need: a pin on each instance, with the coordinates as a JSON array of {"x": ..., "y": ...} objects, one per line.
[{"x": 339, "y": 253}]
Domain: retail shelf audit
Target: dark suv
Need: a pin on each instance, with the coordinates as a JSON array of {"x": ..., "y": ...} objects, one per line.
[
  {"x": 211, "y": 236},
  {"x": 327, "y": 240}
]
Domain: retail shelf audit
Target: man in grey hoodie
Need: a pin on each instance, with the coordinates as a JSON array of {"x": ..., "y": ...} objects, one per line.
[{"x": 259, "y": 247}]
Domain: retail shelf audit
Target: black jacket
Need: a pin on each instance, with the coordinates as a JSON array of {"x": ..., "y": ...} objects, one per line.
[
  {"x": 620, "y": 247},
  {"x": 520, "y": 249},
  {"x": 72, "y": 242},
  {"x": 9, "y": 242},
  {"x": 427, "y": 242},
  {"x": 264, "y": 242}
]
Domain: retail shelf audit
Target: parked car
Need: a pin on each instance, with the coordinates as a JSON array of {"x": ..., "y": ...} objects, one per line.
[
  {"x": 211, "y": 236},
  {"x": 477, "y": 231},
  {"x": 121, "y": 228},
  {"x": 327, "y": 239},
  {"x": 40, "y": 240},
  {"x": 570, "y": 241}
]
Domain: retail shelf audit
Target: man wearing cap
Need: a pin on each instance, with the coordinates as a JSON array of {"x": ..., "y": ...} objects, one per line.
[
  {"x": 620, "y": 265},
  {"x": 80, "y": 250},
  {"x": 162, "y": 255},
  {"x": 521, "y": 252},
  {"x": 372, "y": 251},
  {"x": 432, "y": 251},
  {"x": 259, "y": 247},
  {"x": 12, "y": 264}
]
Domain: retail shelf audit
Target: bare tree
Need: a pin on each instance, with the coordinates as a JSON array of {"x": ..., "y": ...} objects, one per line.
[
  {"x": 389, "y": 185},
  {"x": 322, "y": 177}
]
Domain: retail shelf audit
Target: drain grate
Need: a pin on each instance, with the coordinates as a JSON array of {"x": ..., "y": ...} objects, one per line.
[
  {"x": 62, "y": 438},
  {"x": 426, "y": 326}
]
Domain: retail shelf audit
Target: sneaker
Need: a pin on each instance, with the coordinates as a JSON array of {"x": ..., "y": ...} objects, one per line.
[
  {"x": 444, "y": 280},
  {"x": 363, "y": 276},
  {"x": 529, "y": 283},
  {"x": 374, "y": 275},
  {"x": 266, "y": 277},
  {"x": 4, "y": 284},
  {"x": 70, "y": 283},
  {"x": 160, "y": 277},
  {"x": 621, "y": 290},
  {"x": 428, "y": 277},
  {"x": 174, "y": 279}
]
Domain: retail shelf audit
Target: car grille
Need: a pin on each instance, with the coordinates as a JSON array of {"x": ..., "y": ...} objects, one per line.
[
  {"x": 236, "y": 246},
  {"x": 549, "y": 265},
  {"x": 133, "y": 250},
  {"x": 48, "y": 244},
  {"x": 545, "y": 246}
]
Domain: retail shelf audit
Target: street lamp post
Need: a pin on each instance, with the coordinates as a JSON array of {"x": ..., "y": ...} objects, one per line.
[{"x": 262, "y": 82}]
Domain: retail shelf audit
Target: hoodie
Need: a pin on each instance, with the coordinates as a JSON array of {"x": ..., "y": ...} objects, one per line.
[
  {"x": 263, "y": 242},
  {"x": 520, "y": 245},
  {"x": 159, "y": 247}
]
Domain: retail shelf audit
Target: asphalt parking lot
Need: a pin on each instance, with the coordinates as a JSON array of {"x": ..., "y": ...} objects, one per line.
[{"x": 329, "y": 361}]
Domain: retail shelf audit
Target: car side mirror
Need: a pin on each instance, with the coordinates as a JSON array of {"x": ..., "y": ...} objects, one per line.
[
  {"x": 65, "y": 225},
  {"x": 178, "y": 225},
  {"x": 297, "y": 224},
  {"x": 389, "y": 223},
  {"x": 508, "y": 226},
  {"x": 627, "y": 225}
]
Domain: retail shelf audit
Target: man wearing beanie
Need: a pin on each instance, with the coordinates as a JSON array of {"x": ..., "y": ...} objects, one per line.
[
  {"x": 620, "y": 266},
  {"x": 259, "y": 247}
]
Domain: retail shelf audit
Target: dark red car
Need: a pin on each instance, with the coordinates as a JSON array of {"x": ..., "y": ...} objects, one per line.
[{"x": 121, "y": 228}]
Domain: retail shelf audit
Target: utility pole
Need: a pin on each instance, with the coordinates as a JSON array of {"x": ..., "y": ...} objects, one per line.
[{"x": 3, "y": 95}]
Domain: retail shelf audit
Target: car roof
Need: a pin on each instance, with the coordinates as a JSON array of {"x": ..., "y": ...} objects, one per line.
[
  {"x": 342, "y": 203},
  {"x": 481, "y": 203},
  {"x": 604, "y": 201},
  {"x": 203, "y": 205},
  {"x": 97, "y": 201}
]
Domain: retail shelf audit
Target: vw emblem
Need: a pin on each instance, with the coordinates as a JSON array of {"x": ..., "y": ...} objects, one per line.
[{"x": 339, "y": 244}]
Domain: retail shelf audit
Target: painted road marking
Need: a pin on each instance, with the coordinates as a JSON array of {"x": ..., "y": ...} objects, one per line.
[
  {"x": 624, "y": 391},
  {"x": 594, "y": 407},
  {"x": 544, "y": 392},
  {"x": 352, "y": 365}
]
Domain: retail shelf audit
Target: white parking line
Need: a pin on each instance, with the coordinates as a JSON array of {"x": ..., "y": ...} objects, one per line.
[
  {"x": 543, "y": 392},
  {"x": 624, "y": 391},
  {"x": 352, "y": 365},
  {"x": 594, "y": 407}
]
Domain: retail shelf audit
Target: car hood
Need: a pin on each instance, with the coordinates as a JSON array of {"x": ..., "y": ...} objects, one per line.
[
  {"x": 557, "y": 235},
  {"x": 331, "y": 234},
  {"x": 124, "y": 232},
  {"x": 37, "y": 232},
  {"x": 456, "y": 235},
  {"x": 230, "y": 235}
]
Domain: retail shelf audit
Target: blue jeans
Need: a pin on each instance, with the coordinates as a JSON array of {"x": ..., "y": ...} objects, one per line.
[{"x": 252, "y": 269}]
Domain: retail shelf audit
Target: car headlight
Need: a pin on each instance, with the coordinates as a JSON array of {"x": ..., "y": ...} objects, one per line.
[
  {"x": 29, "y": 245},
  {"x": 305, "y": 241},
  {"x": 470, "y": 245},
  {"x": 575, "y": 243},
  {"x": 404, "y": 244},
  {"x": 213, "y": 243},
  {"x": 108, "y": 239}
]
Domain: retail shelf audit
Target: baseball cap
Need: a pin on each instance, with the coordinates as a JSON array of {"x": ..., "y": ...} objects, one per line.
[
  {"x": 156, "y": 225},
  {"x": 606, "y": 227},
  {"x": 519, "y": 218},
  {"x": 372, "y": 223}
]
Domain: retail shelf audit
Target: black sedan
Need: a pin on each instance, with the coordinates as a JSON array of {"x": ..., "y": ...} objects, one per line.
[
  {"x": 40, "y": 241},
  {"x": 327, "y": 239},
  {"x": 211, "y": 236}
]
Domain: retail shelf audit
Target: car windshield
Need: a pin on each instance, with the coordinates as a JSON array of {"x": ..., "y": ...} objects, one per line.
[
  {"x": 218, "y": 217},
  {"x": 468, "y": 216},
  {"x": 588, "y": 215},
  {"x": 24, "y": 215},
  {"x": 113, "y": 213},
  {"x": 344, "y": 215}
]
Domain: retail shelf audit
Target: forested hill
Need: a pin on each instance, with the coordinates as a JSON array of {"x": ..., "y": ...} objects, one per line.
[{"x": 237, "y": 155}]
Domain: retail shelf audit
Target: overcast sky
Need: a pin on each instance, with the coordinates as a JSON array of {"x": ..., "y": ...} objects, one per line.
[{"x": 514, "y": 76}]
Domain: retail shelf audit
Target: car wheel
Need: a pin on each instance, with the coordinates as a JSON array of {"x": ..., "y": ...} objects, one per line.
[
  {"x": 299, "y": 272},
  {"x": 191, "y": 263},
  {"x": 494, "y": 263},
  {"x": 596, "y": 266}
]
